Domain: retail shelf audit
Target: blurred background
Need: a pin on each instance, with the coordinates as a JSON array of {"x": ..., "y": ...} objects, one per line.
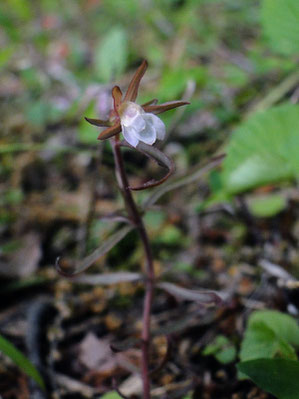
[{"x": 58, "y": 62}]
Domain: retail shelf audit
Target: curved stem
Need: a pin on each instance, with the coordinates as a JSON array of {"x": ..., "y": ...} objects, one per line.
[{"x": 149, "y": 267}]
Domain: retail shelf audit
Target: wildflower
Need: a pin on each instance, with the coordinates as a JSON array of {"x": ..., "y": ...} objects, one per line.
[{"x": 136, "y": 122}]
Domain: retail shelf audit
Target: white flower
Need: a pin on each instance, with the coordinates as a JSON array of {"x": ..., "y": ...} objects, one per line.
[{"x": 138, "y": 125}]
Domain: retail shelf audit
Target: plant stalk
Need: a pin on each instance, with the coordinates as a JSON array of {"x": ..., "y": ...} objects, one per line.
[{"x": 149, "y": 266}]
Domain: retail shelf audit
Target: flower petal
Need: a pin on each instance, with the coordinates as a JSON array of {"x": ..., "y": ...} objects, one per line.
[
  {"x": 158, "y": 125},
  {"x": 138, "y": 123},
  {"x": 130, "y": 135},
  {"x": 148, "y": 134},
  {"x": 128, "y": 112}
]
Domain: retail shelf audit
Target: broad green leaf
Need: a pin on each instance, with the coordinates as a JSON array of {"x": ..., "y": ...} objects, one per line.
[
  {"x": 20, "y": 360},
  {"x": 270, "y": 334},
  {"x": 280, "y": 20},
  {"x": 277, "y": 376},
  {"x": 267, "y": 206},
  {"x": 264, "y": 150},
  {"x": 111, "y": 54},
  {"x": 282, "y": 324},
  {"x": 262, "y": 342}
]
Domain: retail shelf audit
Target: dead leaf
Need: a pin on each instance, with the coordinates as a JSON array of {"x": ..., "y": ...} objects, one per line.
[{"x": 95, "y": 353}]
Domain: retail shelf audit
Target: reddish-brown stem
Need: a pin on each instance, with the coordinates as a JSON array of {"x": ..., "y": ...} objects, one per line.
[{"x": 149, "y": 267}]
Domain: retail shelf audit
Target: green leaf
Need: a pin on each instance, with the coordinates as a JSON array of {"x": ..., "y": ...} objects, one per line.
[
  {"x": 284, "y": 325},
  {"x": 111, "y": 54},
  {"x": 270, "y": 334},
  {"x": 267, "y": 206},
  {"x": 264, "y": 150},
  {"x": 280, "y": 21},
  {"x": 262, "y": 342},
  {"x": 222, "y": 349},
  {"x": 277, "y": 376},
  {"x": 111, "y": 395},
  {"x": 21, "y": 361}
]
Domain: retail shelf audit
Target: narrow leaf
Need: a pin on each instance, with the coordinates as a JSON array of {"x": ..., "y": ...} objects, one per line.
[
  {"x": 159, "y": 157},
  {"x": 69, "y": 270},
  {"x": 108, "y": 278},
  {"x": 204, "y": 297},
  {"x": 21, "y": 361},
  {"x": 277, "y": 376},
  {"x": 132, "y": 91},
  {"x": 193, "y": 176}
]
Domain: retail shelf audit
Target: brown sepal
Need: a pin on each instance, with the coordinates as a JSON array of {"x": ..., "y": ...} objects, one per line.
[
  {"x": 111, "y": 131},
  {"x": 98, "y": 122},
  {"x": 117, "y": 96},
  {"x": 154, "y": 101},
  {"x": 158, "y": 109},
  {"x": 132, "y": 91}
]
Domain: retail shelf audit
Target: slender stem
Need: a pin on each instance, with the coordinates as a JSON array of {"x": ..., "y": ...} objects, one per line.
[{"x": 149, "y": 267}]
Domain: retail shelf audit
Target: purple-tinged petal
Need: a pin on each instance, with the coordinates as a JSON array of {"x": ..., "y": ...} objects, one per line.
[
  {"x": 148, "y": 134},
  {"x": 138, "y": 123},
  {"x": 130, "y": 135},
  {"x": 158, "y": 125}
]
